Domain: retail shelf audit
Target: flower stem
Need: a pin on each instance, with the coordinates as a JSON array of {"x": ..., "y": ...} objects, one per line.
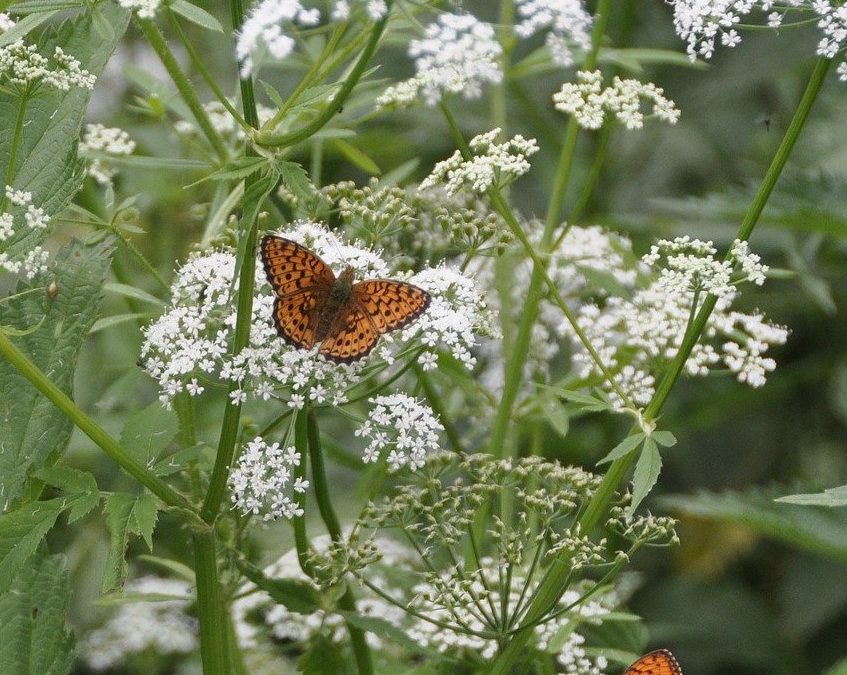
[
  {"x": 186, "y": 90},
  {"x": 347, "y": 602},
  {"x": 210, "y": 608},
  {"x": 352, "y": 79},
  {"x": 554, "y": 584}
]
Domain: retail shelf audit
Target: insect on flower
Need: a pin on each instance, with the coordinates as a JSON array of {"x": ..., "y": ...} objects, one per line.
[
  {"x": 313, "y": 306},
  {"x": 659, "y": 662}
]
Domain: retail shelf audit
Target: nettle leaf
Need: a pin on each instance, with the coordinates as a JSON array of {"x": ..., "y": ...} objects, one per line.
[
  {"x": 323, "y": 656},
  {"x": 33, "y": 432},
  {"x": 148, "y": 432},
  {"x": 34, "y": 639},
  {"x": 126, "y": 514},
  {"x": 646, "y": 473},
  {"x": 79, "y": 484},
  {"x": 21, "y": 531}
]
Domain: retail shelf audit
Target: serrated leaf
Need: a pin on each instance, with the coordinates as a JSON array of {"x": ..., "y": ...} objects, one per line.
[
  {"x": 831, "y": 497},
  {"x": 293, "y": 594},
  {"x": 296, "y": 179},
  {"x": 23, "y": 27},
  {"x": 148, "y": 432},
  {"x": 357, "y": 157},
  {"x": 272, "y": 94},
  {"x": 646, "y": 474},
  {"x": 237, "y": 169},
  {"x": 664, "y": 438},
  {"x": 196, "y": 15},
  {"x": 132, "y": 292},
  {"x": 80, "y": 485},
  {"x": 21, "y": 531},
  {"x": 556, "y": 414},
  {"x": 34, "y": 638},
  {"x": 125, "y": 514},
  {"x": 182, "y": 458},
  {"x": 32, "y": 430},
  {"x": 623, "y": 448},
  {"x": 323, "y": 656}
]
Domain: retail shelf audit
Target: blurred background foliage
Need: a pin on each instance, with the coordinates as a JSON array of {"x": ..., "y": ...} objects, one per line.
[{"x": 755, "y": 587}]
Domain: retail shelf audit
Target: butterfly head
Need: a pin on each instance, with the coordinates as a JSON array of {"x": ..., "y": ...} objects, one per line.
[{"x": 346, "y": 278}]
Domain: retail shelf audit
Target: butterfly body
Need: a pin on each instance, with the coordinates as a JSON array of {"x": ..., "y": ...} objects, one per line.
[{"x": 314, "y": 307}]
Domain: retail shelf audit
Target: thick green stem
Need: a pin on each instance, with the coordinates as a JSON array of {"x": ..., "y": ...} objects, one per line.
[
  {"x": 186, "y": 90},
  {"x": 89, "y": 427},
  {"x": 554, "y": 585},
  {"x": 332, "y": 108},
  {"x": 347, "y": 602},
  {"x": 214, "y": 634}
]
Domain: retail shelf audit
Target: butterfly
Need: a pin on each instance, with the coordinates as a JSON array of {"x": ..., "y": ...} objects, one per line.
[
  {"x": 659, "y": 662},
  {"x": 313, "y": 306}
]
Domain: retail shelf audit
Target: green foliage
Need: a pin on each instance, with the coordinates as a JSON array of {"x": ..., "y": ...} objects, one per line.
[
  {"x": 21, "y": 532},
  {"x": 832, "y": 497},
  {"x": 34, "y": 639},
  {"x": 149, "y": 432},
  {"x": 323, "y": 656},
  {"x": 34, "y": 431},
  {"x": 126, "y": 514}
]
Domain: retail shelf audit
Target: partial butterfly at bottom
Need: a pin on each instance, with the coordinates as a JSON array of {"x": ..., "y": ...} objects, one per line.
[
  {"x": 346, "y": 318},
  {"x": 659, "y": 662}
]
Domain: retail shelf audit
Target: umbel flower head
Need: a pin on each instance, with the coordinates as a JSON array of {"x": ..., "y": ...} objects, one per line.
[
  {"x": 108, "y": 141},
  {"x": 263, "y": 30},
  {"x": 17, "y": 224},
  {"x": 189, "y": 345},
  {"x": 457, "y": 55},
  {"x": 567, "y": 21}
]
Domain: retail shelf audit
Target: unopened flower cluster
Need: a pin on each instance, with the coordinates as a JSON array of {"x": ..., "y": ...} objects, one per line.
[
  {"x": 222, "y": 121},
  {"x": 158, "y": 625},
  {"x": 22, "y": 66},
  {"x": 107, "y": 141},
  {"x": 567, "y": 21},
  {"x": 589, "y": 102},
  {"x": 404, "y": 428},
  {"x": 493, "y": 164},
  {"x": 703, "y": 22},
  {"x": 637, "y": 336},
  {"x": 17, "y": 255},
  {"x": 263, "y": 482},
  {"x": 458, "y": 55}
]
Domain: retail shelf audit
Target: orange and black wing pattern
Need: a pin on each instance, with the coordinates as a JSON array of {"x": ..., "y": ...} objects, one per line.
[
  {"x": 659, "y": 662},
  {"x": 353, "y": 341},
  {"x": 389, "y": 304},
  {"x": 291, "y": 268},
  {"x": 296, "y": 316}
]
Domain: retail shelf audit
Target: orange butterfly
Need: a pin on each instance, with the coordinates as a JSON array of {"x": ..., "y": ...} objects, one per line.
[
  {"x": 312, "y": 306},
  {"x": 659, "y": 662}
]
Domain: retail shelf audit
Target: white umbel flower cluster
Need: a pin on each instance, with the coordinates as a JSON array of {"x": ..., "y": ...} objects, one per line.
[
  {"x": 402, "y": 426},
  {"x": 29, "y": 217},
  {"x": 458, "y": 55},
  {"x": 104, "y": 140},
  {"x": 637, "y": 336},
  {"x": 146, "y": 9},
  {"x": 493, "y": 164},
  {"x": 374, "y": 9},
  {"x": 263, "y": 30},
  {"x": 568, "y": 22},
  {"x": 159, "y": 625},
  {"x": 22, "y": 66},
  {"x": 263, "y": 483},
  {"x": 589, "y": 102},
  {"x": 703, "y": 22}
]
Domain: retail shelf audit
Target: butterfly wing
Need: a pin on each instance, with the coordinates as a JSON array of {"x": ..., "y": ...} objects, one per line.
[
  {"x": 659, "y": 662},
  {"x": 389, "y": 304},
  {"x": 354, "y": 339},
  {"x": 302, "y": 283}
]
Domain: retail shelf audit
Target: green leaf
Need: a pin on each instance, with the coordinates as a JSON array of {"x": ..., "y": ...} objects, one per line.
[
  {"x": 81, "y": 485},
  {"x": 646, "y": 473},
  {"x": 293, "y": 594},
  {"x": 357, "y": 157},
  {"x": 132, "y": 292},
  {"x": 556, "y": 414},
  {"x": 174, "y": 566},
  {"x": 323, "y": 656},
  {"x": 118, "y": 319},
  {"x": 34, "y": 638},
  {"x": 237, "y": 169},
  {"x": 23, "y": 27},
  {"x": 623, "y": 448},
  {"x": 253, "y": 200},
  {"x": 583, "y": 401},
  {"x": 818, "y": 530},
  {"x": 126, "y": 514},
  {"x": 21, "y": 531},
  {"x": 148, "y": 432},
  {"x": 387, "y": 630},
  {"x": 33, "y": 431},
  {"x": 832, "y": 497},
  {"x": 196, "y": 15},
  {"x": 202, "y": 453},
  {"x": 297, "y": 180},
  {"x": 664, "y": 438},
  {"x": 635, "y": 58}
]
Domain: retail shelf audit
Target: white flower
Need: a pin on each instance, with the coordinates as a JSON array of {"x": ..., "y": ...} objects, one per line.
[
  {"x": 161, "y": 625},
  {"x": 105, "y": 140},
  {"x": 493, "y": 164},
  {"x": 222, "y": 121},
  {"x": 262, "y": 481},
  {"x": 34, "y": 259},
  {"x": 750, "y": 263},
  {"x": 402, "y": 426},
  {"x": 263, "y": 29},
  {"x": 6, "y": 22},
  {"x": 458, "y": 55},
  {"x": 22, "y": 65},
  {"x": 588, "y": 102},
  {"x": 146, "y": 9},
  {"x": 568, "y": 21}
]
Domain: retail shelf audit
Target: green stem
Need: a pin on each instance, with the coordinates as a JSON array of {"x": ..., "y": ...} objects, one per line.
[
  {"x": 184, "y": 407},
  {"x": 285, "y": 140},
  {"x": 435, "y": 403},
  {"x": 89, "y": 427},
  {"x": 301, "y": 538},
  {"x": 348, "y": 601},
  {"x": 157, "y": 42},
  {"x": 554, "y": 585},
  {"x": 210, "y": 607}
]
